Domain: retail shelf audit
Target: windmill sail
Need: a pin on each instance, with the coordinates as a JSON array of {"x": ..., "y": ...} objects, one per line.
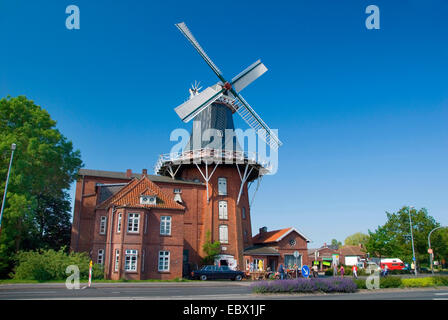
[
  {"x": 187, "y": 33},
  {"x": 254, "y": 121},
  {"x": 246, "y": 77},
  {"x": 189, "y": 109}
]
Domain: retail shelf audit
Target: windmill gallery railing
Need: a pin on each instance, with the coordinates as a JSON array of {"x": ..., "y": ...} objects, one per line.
[{"x": 211, "y": 156}]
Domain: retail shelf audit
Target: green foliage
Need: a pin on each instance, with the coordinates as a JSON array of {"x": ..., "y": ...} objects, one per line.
[
  {"x": 46, "y": 265},
  {"x": 356, "y": 239},
  {"x": 336, "y": 243},
  {"x": 425, "y": 282},
  {"x": 360, "y": 283},
  {"x": 390, "y": 282},
  {"x": 393, "y": 238},
  {"x": 37, "y": 209},
  {"x": 211, "y": 249}
]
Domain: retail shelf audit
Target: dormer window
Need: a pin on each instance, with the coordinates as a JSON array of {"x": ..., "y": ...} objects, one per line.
[{"x": 148, "y": 199}]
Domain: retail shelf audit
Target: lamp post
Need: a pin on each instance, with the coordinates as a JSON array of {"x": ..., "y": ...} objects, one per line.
[
  {"x": 412, "y": 239},
  {"x": 13, "y": 147},
  {"x": 431, "y": 255}
]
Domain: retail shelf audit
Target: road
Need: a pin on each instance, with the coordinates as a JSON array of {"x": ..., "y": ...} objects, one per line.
[{"x": 210, "y": 290}]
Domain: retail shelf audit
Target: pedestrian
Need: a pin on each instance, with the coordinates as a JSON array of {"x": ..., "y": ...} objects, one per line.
[
  {"x": 282, "y": 271},
  {"x": 355, "y": 271},
  {"x": 335, "y": 270},
  {"x": 315, "y": 269},
  {"x": 342, "y": 271},
  {"x": 386, "y": 270}
]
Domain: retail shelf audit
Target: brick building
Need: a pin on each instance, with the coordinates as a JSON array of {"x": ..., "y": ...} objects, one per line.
[
  {"x": 142, "y": 226},
  {"x": 277, "y": 247}
]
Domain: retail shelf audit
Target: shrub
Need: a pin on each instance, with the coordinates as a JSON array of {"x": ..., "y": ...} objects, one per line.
[
  {"x": 390, "y": 282},
  {"x": 302, "y": 285},
  {"x": 360, "y": 283},
  {"x": 440, "y": 280},
  {"x": 46, "y": 265},
  {"x": 419, "y": 282}
]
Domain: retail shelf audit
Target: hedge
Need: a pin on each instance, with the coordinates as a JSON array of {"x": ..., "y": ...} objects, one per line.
[
  {"x": 301, "y": 285},
  {"x": 47, "y": 265}
]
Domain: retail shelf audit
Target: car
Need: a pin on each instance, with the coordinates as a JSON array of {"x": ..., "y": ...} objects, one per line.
[{"x": 217, "y": 272}]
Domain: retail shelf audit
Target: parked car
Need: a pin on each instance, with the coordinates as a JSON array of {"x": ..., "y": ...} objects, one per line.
[{"x": 215, "y": 272}]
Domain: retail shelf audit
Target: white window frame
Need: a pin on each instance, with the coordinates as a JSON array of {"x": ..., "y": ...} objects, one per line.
[
  {"x": 100, "y": 257},
  {"x": 131, "y": 260},
  {"x": 163, "y": 264},
  {"x": 223, "y": 210},
  {"x": 103, "y": 224},
  {"x": 223, "y": 233},
  {"x": 117, "y": 260},
  {"x": 165, "y": 225},
  {"x": 133, "y": 220},
  {"x": 222, "y": 186},
  {"x": 119, "y": 221}
]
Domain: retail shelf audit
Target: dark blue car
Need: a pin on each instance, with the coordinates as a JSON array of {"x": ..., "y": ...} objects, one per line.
[{"x": 215, "y": 272}]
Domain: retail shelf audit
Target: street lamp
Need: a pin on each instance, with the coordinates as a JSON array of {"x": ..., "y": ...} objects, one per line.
[
  {"x": 13, "y": 147},
  {"x": 412, "y": 239},
  {"x": 431, "y": 254}
]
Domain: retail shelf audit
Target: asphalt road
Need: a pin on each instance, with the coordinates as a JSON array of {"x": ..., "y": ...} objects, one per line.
[{"x": 210, "y": 290}]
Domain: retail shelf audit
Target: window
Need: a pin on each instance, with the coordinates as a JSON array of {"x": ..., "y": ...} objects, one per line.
[
  {"x": 130, "y": 263},
  {"x": 222, "y": 186},
  {"x": 222, "y": 205},
  {"x": 119, "y": 223},
  {"x": 165, "y": 225},
  {"x": 100, "y": 259},
  {"x": 117, "y": 260},
  {"x": 290, "y": 261},
  {"x": 103, "y": 220},
  {"x": 243, "y": 212},
  {"x": 133, "y": 222},
  {"x": 223, "y": 234},
  {"x": 164, "y": 261}
]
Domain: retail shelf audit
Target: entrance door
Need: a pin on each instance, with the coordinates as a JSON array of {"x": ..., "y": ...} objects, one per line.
[{"x": 272, "y": 263}]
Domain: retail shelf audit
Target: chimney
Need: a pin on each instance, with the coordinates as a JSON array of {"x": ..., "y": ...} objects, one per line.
[
  {"x": 128, "y": 173},
  {"x": 325, "y": 244},
  {"x": 263, "y": 229},
  {"x": 145, "y": 172}
]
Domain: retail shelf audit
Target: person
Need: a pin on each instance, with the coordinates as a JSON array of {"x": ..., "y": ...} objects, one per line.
[
  {"x": 386, "y": 270},
  {"x": 315, "y": 269},
  {"x": 342, "y": 271},
  {"x": 260, "y": 265},
  {"x": 335, "y": 270},
  {"x": 355, "y": 271},
  {"x": 282, "y": 271}
]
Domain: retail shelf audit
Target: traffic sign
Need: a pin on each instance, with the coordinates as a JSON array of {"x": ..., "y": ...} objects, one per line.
[
  {"x": 305, "y": 271},
  {"x": 430, "y": 251},
  {"x": 296, "y": 254}
]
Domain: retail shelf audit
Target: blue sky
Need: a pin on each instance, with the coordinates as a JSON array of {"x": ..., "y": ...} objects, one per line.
[{"x": 362, "y": 113}]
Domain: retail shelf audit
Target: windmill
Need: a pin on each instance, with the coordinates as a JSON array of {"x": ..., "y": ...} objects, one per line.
[
  {"x": 230, "y": 91},
  {"x": 213, "y": 108}
]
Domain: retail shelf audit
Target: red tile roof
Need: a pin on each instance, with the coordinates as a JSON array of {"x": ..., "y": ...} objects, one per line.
[
  {"x": 352, "y": 251},
  {"x": 129, "y": 196},
  {"x": 271, "y": 236}
]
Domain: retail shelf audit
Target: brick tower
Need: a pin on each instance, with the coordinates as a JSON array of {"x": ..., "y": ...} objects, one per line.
[{"x": 226, "y": 170}]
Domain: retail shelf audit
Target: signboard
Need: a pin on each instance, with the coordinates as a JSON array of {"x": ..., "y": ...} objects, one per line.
[
  {"x": 305, "y": 271},
  {"x": 430, "y": 251},
  {"x": 296, "y": 254}
]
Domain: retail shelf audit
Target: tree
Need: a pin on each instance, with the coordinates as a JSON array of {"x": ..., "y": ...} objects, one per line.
[
  {"x": 36, "y": 213},
  {"x": 356, "y": 239},
  {"x": 335, "y": 243},
  {"x": 393, "y": 239},
  {"x": 212, "y": 249}
]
